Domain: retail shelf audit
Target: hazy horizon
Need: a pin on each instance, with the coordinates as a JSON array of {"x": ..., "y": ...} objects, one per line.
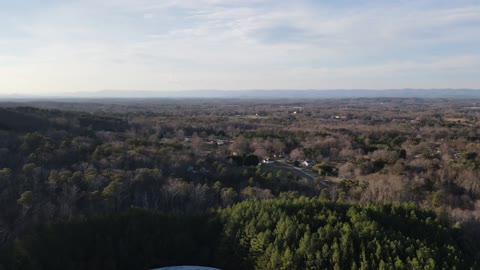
[
  {"x": 56, "y": 47},
  {"x": 257, "y": 93}
]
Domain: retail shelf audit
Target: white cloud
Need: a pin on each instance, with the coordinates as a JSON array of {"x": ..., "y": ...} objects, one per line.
[{"x": 216, "y": 44}]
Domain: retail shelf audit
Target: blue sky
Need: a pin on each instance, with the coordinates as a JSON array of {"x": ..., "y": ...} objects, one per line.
[{"x": 61, "y": 46}]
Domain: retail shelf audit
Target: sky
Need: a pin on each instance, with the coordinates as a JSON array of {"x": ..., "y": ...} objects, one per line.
[{"x": 62, "y": 46}]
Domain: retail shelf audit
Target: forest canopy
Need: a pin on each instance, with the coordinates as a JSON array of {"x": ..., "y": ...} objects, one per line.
[
  {"x": 294, "y": 184},
  {"x": 283, "y": 233}
]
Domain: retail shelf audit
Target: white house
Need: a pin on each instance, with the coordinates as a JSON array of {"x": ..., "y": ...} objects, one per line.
[
  {"x": 268, "y": 161},
  {"x": 308, "y": 163}
]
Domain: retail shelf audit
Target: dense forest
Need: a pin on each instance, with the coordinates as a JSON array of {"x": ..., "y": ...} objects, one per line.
[
  {"x": 282, "y": 233},
  {"x": 240, "y": 184}
]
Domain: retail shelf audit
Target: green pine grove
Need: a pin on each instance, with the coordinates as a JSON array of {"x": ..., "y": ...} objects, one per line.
[{"x": 282, "y": 233}]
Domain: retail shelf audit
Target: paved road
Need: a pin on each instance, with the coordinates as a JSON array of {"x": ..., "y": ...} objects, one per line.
[{"x": 307, "y": 174}]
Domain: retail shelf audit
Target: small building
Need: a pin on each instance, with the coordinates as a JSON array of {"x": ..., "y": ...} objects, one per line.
[
  {"x": 308, "y": 163},
  {"x": 268, "y": 161}
]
